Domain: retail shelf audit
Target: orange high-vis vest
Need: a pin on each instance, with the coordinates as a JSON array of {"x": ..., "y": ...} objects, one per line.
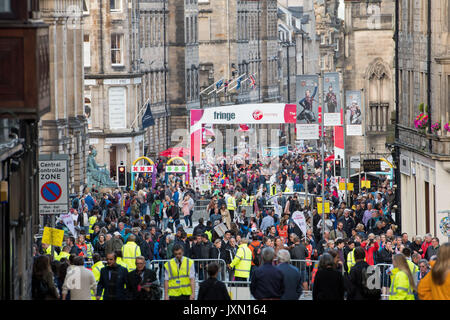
[
  {"x": 308, "y": 258},
  {"x": 283, "y": 232}
]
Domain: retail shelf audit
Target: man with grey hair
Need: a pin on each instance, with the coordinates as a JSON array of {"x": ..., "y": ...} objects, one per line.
[
  {"x": 292, "y": 277},
  {"x": 267, "y": 281}
]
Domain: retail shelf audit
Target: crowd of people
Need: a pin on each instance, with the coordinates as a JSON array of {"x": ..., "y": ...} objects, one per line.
[{"x": 142, "y": 243}]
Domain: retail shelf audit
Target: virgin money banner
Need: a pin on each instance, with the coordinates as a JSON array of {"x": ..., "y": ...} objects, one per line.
[
  {"x": 238, "y": 114},
  {"x": 245, "y": 113}
]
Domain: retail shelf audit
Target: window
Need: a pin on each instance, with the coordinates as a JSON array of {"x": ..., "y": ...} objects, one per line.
[
  {"x": 116, "y": 49},
  {"x": 87, "y": 51},
  {"x": 85, "y": 7},
  {"x": 149, "y": 33},
  {"x": 115, "y": 5},
  {"x": 186, "y": 34},
  {"x": 5, "y": 6}
]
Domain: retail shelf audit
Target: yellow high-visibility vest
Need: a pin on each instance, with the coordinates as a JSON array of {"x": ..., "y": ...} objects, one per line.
[
  {"x": 120, "y": 262},
  {"x": 351, "y": 260},
  {"x": 209, "y": 234},
  {"x": 242, "y": 262},
  {"x": 96, "y": 271},
  {"x": 231, "y": 203},
  {"x": 92, "y": 221},
  {"x": 49, "y": 252},
  {"x": 130, "y": 251},
  {"x": 179, "y": 282},
  {"x": 273, "y": 189},
  {"x": 400, "y": 286},
  {"x": 63, "y": 254}
]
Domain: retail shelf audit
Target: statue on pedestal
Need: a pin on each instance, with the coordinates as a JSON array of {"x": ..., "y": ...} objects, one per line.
[{"x": 96, "y": 174}]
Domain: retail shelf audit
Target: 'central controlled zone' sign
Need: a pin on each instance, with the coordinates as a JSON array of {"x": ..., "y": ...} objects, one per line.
[{"x": 53, "y": 187}]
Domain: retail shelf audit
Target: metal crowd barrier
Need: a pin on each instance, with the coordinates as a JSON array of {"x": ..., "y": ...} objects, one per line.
[
  {"x": 306, "y": 268},
  {"x": 200, "y": 270},
  {"x": 383, "y": 272},
  {"x": 239, "y": 290}
]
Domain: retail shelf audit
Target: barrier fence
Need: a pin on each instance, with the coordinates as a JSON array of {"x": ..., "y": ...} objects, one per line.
[{"x": 240, "y": 290}]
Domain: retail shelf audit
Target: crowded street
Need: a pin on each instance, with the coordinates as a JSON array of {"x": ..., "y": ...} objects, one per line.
[{"x": 224, "y": 158}]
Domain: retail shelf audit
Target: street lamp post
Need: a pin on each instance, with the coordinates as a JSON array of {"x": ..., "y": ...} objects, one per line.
[{"x": 322, "y": 145}]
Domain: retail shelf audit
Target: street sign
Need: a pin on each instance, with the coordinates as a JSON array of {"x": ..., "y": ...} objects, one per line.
[
  {"x": 53, "y": 185},
  {"x": 51, "y": 191},
  {"x": 355, "y": 162},
  {"x": 372, "y": 165}
]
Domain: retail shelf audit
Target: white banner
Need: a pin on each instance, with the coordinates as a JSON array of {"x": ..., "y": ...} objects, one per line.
[
  {"x": 354, "y": 130},
  {"x": 68, "y": 221},
  {"x": 307, "y": 131},
  {"x": 245, "y": 113},
  {"x": 332, "y": 119},
  {"x": 299, "y": 219}
]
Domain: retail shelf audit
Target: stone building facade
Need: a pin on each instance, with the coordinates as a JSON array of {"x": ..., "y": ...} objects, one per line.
[
  {"x": 424, "y": 77},
  {"x": 63, "y": 130},
  {"x": 239, "y": 38},
  {"x": 183, "y": 62},
  {"x": 153, "y": 20},
  {"x": 113, "y": 91},
  {"x": 369, "y": 50}
]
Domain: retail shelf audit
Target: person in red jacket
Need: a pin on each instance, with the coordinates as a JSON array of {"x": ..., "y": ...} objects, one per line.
[
  {"x": 370, "y": 246},
  {"x": 426, "y": 244}
]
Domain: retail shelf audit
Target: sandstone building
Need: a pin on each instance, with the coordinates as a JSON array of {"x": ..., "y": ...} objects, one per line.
[
  {"x": 423, "y": 77},
  {"x": 64, "y": 129}
]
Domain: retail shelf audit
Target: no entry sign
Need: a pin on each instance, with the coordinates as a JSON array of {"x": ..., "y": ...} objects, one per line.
[{"x": 53, "y": 185}]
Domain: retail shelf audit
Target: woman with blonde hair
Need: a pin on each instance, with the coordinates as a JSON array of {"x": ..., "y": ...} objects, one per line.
[
  {"x": 436, "y": 284},
  {"x": 402, "y": 280},
  {"x": 226, "y": 216}
]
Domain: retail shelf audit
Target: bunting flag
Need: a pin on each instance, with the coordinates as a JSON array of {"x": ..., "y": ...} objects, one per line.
[
  {"x": 244, "y": 127},
  {"x": 253, "y": 82},
  {"x": 219, "y": 84},
  {"x": 238, "y": 86},
  {"x": 147, "y": 118}
]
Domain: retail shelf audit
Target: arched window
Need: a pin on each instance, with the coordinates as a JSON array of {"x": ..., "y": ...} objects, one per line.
[{"x": 379, "y": 96}]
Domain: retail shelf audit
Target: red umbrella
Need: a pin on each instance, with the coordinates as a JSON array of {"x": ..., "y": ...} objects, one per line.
[
  {"x": 330, "y": 158},
  {"x": 175, "y": 152}
]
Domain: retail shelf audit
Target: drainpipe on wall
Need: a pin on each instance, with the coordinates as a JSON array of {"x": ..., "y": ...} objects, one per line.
[{"x": 398, "y": 197}]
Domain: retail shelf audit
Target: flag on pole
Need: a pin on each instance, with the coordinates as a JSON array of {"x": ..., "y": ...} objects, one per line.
[
  {"x": 253, "y": 82},
  {"x": 219, "y": 84},
  {"x": 147, "y": 118}
]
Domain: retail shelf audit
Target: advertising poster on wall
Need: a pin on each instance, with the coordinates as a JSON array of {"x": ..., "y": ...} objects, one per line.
[
  {"x": 353, "y": 113},
  {"x": 307, "y": 99},
  {"x": 332, "y": 93},
  {"x": 307, "y": 106}
]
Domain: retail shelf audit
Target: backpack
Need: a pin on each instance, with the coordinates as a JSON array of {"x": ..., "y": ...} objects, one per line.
[
  {"x": 368, "y": 293},
  {"x": 256, "y": 256}
]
